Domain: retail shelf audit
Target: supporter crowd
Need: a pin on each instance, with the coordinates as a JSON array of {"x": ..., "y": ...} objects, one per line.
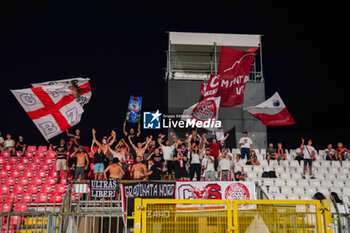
[{"x": 194, "y": 157}]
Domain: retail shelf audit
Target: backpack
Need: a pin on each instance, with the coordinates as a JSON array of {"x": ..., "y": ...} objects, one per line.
[
  {"x": 319, "y": 196},
  {"x": 265, "y": 174},
  {"x": 272, "y": 174},
  {"x": 336, "y": 197}
]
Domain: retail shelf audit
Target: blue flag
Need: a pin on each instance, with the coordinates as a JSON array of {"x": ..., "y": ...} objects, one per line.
[{"x": 133, "y": 113}]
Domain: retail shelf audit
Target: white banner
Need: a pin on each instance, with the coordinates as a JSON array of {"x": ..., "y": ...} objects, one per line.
[{"x": 225, "y": 190}]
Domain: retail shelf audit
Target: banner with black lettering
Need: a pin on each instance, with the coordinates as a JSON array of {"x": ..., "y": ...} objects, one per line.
[
  {"x": 145, "y": 189},
  {"x": 103, "y": 188}
]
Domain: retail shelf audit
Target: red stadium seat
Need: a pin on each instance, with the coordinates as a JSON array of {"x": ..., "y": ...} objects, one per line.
[
  {"x": 24, "y": 160},
  {"x": 32, "y": 188},
  {"x": 26, "y": 198},
  {"x": 12, "y": 160},
  {"x": 55, "y": 198},
  {"x": 36, "y": 181},
  {"x": 36, "y": 160},
  {"x": 44, "y": 167},
  {"x": 7, "y": 167},
  {"x": 15, "y": 174},
  {"x": 50, "y": 154},
  {"x": 20, "y": 207},
  {"x": 28, "y": 173},
  {"x": 31, "y": 148},
  {"x": 28, "y": 154},
  {"x": 40, "y": 154},
  {"x": 42, "y": 148},
  {"x": 20, "y": 167},
  {"x": 18, "y": 189},
  {"x": 50, "y": 180},
  {"x": 4, "y": 189},
  {"x": 48, "y": 161},
  {"x": 46, "y": 188},
  {"x": 9, "y": 181},
  {"x": 52, "y": 173},
  {"x": 11, "y": 197},
  {"x": 5, "y": 154},
  {"x": 5, "y": 207},
  {"x": 41, "y": 198},
  {"x": 32, "y": 166},
  {"x": 3, "y": 174},
  {"x": 40, "y": 173},
  {"x": 2, "y": 160},
  {"x": 59, "y": 188},
  {"x": 19, "y": 153},
  {"x": 24, "y": 181}
]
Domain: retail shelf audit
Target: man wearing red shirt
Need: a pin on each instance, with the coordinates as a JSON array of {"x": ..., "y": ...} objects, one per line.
[
  {"x": 341, "y": 153},
  {"x": 214, "y": 146}
]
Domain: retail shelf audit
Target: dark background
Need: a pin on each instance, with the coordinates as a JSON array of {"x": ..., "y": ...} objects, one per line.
[{"x": 121, "y": 47}]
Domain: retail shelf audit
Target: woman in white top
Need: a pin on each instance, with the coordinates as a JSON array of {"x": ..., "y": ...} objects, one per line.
[
  {"x": 9, "y": 144},
  {"x": 195, "y": 163}
]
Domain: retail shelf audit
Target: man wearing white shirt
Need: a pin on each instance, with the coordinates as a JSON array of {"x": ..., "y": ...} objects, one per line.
[
  {"x": 246, "y": 145},
  {"x": 309, "y": 155},
  {"x": 168, "y": 155},
  {"x": 208, "y": 166},
  {"x": 224, "y": 165}
]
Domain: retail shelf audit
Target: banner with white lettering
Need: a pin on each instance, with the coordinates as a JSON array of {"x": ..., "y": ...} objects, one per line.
[
  {"x": 224, "y": 190},
  {"x": 103, "y": 188},
  {"x": 233, "y": 71},
  {"x": 52, "y": 108},
  {"x": 145, "y": 189}
]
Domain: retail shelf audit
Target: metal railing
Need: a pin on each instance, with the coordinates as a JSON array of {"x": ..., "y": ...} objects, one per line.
[{"x": 172, "y": 215}]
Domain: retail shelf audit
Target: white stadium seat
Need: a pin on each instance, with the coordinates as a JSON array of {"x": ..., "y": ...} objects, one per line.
[
  {"x": 294, "y": 163},
  {"x": 284, "y": 163},
  {"x": 310, "y": 190},
  {"x": 268, "y": 182},
  {"x": 273, "y": 163},
  {"x": 333, "y": 170},
  {"x": 336, "y": 164},
  {"x": 315, "y": 183},
  {"x": 293, "y": 197},
  {"x": 347, "y": 183},
  {"x": 316, "y": 163},
  {"x": 303, "y": 183},
  {"x": 324, "y": 191},
  {"x": 346, "y": 191},
  {"x": 280, "y": 182},
  {"x": 285, "y": 176},
  {"x": 338, "y": 183},
  {"x": 264, "y": 163},
  {"x": 279, "y": 170},
  {"x": 274, "y": 190},
  {"x": 291, "y": 183},
  {"x": 286, "y": 190},
  {"x": 299, "y": 190},
  {"x": 326, "y": 183},
  {"x": 280, "y": 196},
  {"x": 258, "y": 169},
  {"x": 297, "y": 175}
]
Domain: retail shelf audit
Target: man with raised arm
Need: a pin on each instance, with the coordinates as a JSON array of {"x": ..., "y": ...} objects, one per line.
[
  {"x": 168, "y": 154},
  {"x": 82, "y": 162},
  {"x": 139, "y": 150},
  {"x": 104, "y": 145}
]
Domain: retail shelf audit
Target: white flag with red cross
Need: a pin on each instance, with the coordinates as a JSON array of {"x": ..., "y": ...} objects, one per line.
[
  {"x": 80, "y": 88},
  {"x": 53, "y": 108}
]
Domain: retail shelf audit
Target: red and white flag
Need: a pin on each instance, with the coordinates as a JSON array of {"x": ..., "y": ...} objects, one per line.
[
  {"x": 53, "y": 108},
  {"x": 211, "y": 88},
  {"x": 204, "y": 111},
  {"x": 272, "y": 112},
  {"x": 233, "y": 71},
  {"x": 80, "y": 88}
]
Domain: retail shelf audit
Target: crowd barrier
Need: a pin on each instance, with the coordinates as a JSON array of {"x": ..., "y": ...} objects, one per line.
[{"x": 173, "y": 215}]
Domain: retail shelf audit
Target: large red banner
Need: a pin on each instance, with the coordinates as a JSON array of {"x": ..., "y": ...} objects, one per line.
[{"x": 233, "y": 71}]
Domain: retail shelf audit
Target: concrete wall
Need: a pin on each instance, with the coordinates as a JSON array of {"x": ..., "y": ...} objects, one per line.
[{"x": 184, "y": 93}]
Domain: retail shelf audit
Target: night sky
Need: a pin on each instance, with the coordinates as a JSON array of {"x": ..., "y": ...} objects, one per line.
[{"x": 121, "y": 48}]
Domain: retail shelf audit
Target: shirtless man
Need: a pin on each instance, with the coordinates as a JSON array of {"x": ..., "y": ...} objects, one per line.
[
  {"x": 82, "y": 162},
  {"x": 139, "y": 169},
  {"x": 140, "y": 151},
  {"x": 104, "y": 145},
  {"x": 119, "y": 155},
  {"x": 114, "y": 170}
]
